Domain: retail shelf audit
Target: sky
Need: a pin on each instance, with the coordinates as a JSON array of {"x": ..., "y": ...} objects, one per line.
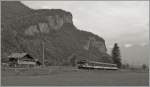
[{"x": 122, "y": 22}]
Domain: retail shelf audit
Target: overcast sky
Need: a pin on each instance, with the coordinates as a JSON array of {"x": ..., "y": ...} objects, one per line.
[{"x": 125, "y": 22}]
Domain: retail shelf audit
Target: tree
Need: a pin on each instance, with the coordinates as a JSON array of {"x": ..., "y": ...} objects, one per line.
[
  {"x": 125, "y": 66},
  {"x": 116, "y": 55},
  {"x": 73, "y": 61},
  {"x": 144, "y": 67}
]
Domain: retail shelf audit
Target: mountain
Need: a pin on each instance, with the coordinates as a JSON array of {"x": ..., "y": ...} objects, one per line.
[{"x": 29, "y": 30}]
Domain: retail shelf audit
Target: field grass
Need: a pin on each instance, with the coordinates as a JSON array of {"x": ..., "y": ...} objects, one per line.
[{"x": 59, "y": 76}]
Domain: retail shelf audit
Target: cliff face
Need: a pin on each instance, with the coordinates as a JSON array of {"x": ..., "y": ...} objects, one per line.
[
  {"x": 53, "y": 22},
  {"x": 62, "y": 40}
]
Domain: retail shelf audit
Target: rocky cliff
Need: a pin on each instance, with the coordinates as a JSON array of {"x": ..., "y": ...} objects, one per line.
[{"x": 28, "y": 30}]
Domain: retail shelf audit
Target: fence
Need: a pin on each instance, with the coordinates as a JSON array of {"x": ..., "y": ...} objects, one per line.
[{"x": 34, "y": 71}]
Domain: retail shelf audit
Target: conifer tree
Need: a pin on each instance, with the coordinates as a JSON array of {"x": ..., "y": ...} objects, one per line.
[{"x": 116, "y": 55}]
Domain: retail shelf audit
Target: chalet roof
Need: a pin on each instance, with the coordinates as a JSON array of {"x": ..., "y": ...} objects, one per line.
[{"x": 17, "y": 55}]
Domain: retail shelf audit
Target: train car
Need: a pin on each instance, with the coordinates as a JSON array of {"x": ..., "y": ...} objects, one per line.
[{"x": 96, "y": 65}]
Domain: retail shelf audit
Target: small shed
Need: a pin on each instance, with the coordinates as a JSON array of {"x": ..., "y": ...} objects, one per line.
[{"x": 22, "y": 59}]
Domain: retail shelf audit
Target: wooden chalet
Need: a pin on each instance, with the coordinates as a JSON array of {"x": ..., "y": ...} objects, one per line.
[{"x": 22, "y": 59}]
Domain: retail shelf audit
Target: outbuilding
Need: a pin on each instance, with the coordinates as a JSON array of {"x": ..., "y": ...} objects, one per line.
[{"x": 22, "y": 60}]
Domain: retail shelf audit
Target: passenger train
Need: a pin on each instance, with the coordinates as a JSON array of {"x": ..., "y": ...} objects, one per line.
[{"x": 96, "y": 65}]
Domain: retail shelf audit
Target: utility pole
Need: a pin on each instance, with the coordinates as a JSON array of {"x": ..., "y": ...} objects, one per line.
[
  {"x": 90, "y": 46},
  {"x": 43, "y": 54},
  {"x": 89, "y": 50}
]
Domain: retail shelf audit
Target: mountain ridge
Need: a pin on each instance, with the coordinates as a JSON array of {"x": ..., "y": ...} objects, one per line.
[{"x": 53, "y": 27}]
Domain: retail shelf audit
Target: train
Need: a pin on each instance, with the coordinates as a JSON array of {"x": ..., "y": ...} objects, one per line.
[{"x": 84, "y": 64}]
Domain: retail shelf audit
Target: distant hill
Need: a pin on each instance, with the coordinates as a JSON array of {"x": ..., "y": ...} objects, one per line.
[
  {"x": 25, "y": 30},
  {"x": 136, "y": 55}
]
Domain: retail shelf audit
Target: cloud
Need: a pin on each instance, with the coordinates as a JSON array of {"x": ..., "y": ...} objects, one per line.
[
  {"x": 128, "y": 45},
  {"x": 143, "y": 44}
]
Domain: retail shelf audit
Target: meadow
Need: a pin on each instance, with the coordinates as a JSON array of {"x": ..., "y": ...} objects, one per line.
[{"x": 69, "y": 76}]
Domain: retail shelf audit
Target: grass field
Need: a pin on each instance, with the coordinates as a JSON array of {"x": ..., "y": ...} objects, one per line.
[{"x": 78, "y": 78}]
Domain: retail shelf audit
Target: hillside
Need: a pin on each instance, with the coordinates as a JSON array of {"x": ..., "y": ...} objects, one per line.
[{"x": 25, "y": 30}]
